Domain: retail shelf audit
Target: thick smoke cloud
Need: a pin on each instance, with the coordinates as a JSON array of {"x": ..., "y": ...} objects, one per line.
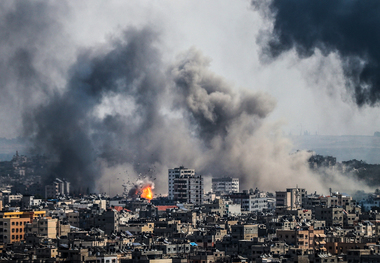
[
  {"x": 210, "y": 103},
  {"x": 116, "y": 111},
  {"x": 68, "y": 128},
  {"x": 29, "y": 39},
  {"x": 349, "y": 28}
]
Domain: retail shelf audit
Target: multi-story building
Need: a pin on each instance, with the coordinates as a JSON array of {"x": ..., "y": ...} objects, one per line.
[
  {"x": 225, "y": 185},
  {"x": 73, "y": 218},
  {"x": 51, "y": 191},
  {"x": 12, "y": 225},
  {"x": 218, "y": 207},
  {"x": 175, "y": 174},
  {"x": 335, "y": 199},
  {"x": 58, "y": 187},
  {"x": 291, "y": 198},
  {"x": 244, "y": 232},
  {"x": 185, "y": 186},
  {"x": 46, "y": 227},
  {"x": 334, "y": 216},
  {"x": 303, "y": 237},
  {"x": 13, "y": 200},
  {"x": 250, "y": 202},
  {"x": 310, "y": 201},
  {"x": 28, "y": 201}
]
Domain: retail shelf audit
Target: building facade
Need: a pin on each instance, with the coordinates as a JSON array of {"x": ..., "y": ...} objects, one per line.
[
  {"x": 57, "y": 188},
  {"x": 13, "y": 224},
  {"x": 250, "y": 202},
  {"x": 225, "y": 185},
  {"x": 290, "y": 199},
  {"x": 185, "y": 186},
  {"x": 46, "y": 227}
]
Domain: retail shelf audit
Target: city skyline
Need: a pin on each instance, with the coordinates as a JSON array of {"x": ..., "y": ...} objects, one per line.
[{"x": 190, "y": 131}]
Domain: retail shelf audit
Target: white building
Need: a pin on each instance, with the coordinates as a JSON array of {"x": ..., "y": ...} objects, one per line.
[
  {"x": 259, "y": 204},
  {"x": 225, "y": 185},
  {"x": 252, "y": 203},
  {"x": 58, "y": 187},
  {"x": 291, "y": 198},
  {"x": 185, "y": 186}
]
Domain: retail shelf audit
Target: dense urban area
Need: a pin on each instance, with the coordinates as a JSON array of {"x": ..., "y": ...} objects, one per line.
[{"x": 55, "y": 222}]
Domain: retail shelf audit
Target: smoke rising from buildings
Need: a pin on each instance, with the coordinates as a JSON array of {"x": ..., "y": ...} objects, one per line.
[
  {"x": 112, "y": 111},
  {"x": 30, "y": 36},
  {"x": 348, "y": 28}
]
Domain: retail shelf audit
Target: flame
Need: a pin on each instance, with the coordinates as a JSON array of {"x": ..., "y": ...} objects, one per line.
[{"x": 147, "y": 193}]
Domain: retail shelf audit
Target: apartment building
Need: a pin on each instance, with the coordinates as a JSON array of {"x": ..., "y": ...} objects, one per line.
[
  {"x": 304, "y": 238},
  {"x": 291, "y": 198},
  {"x": 334, "y": 216},
  {"x": 225, "y": 185},
  {"x": 12, "y": 225},
  {"x": 185, "y": 186},
  {"x": 45, "y": 226},
  {"x": 250, "y": 202},
  {"x": 244, "y": 232},
  {"x": 58, "y": 187}
]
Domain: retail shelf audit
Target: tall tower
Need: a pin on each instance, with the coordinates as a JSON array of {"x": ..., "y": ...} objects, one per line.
[{"x": 185, "y": 186}]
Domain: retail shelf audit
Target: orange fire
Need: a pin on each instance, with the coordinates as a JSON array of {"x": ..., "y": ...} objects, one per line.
[{"x": 147, "y": 193}]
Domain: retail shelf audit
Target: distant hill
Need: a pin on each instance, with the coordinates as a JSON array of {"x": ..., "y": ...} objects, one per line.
[
  {"x": 368, "y": 173},
  {"x": 8, "y": 148},
  {"x": 344, "y": 148}
]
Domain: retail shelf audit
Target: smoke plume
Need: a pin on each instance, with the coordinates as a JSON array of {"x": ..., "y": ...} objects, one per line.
[
  {"x": 68, "y": 127},
  {"x": 117, "y": 111},
  {"x": 30, "y": 36},
  {"x": 348, "y": 28}
]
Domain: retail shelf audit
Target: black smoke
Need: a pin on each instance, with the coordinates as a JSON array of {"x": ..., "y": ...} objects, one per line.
[
  {"x": 119, "y": 107},
  {"x": 30, "y": 34},
  {"x": 67, "y": 127},
  {"x": 209, "y": 101},
  {"x": 172, "y": 114},
  {"x": 350, "y": 28}
]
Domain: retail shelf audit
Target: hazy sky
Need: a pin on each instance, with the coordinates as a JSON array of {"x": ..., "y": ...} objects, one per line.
[
  {"x": 310, "y": 92},
  {"x": 115, "y": 87}
]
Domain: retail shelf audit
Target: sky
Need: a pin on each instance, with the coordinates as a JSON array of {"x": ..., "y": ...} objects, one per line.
[
  {"x": 310, "y": 92},
  {"x": 120, "y": 88}
]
